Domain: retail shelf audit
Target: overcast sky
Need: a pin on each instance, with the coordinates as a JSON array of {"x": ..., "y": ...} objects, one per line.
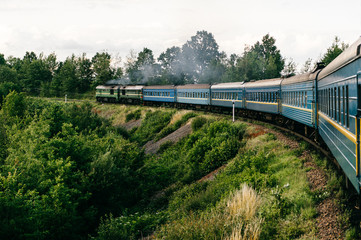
[{"x": 302, "y": 29}]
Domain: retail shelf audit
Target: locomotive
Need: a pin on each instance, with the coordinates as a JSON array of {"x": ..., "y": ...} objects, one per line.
[{"x": 325, "y": 101}]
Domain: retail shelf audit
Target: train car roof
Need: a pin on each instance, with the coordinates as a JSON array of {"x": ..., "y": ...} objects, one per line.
[
  {"x": 227, "y": 85},
  {"x": 347, "y": 56},
  {"x": 193, "y": 86},
  {"x": 264, "y": 83},
  {"x": 136, "y": 87},
  {"x": 107, "y": 87},
  {"x": 159, "y": 87},
  {"x": 310, "y": 76}
]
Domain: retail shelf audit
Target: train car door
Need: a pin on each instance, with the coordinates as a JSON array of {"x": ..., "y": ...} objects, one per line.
[{"x": 358, "y": 124}]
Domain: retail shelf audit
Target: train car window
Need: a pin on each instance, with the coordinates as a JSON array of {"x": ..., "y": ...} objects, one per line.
[
  {"x": 347, "y": 109},
  {"x": 329, "y": 102}
]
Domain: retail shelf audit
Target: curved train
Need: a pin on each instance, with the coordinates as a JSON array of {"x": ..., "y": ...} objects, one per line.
[{"x": 326, "y": 101}]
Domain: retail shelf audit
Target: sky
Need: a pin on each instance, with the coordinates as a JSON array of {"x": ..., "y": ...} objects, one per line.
[{"x": 302, "y": 29}]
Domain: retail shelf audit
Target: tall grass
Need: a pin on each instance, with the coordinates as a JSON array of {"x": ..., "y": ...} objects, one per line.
[
  {"x": 234, "y": 218},
  {"x": 244, "y": 203}
]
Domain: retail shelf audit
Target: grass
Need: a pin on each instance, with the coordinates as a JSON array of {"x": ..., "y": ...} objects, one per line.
[{"x": 262, "y": 193}]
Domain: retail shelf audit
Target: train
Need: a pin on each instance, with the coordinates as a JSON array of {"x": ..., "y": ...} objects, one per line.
[{"x": 325, "y": 102}]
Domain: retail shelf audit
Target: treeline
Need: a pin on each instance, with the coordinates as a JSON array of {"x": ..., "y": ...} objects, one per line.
[{"x": 199, "y": 60}]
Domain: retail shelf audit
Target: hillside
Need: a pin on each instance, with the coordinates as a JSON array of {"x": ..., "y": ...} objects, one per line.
[
  {"x": 93, "y": 171},
  {"x": 293, "y": 185}
]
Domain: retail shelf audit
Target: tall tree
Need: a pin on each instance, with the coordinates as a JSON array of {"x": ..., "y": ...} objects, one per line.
[
  {"x": 290, "y": 69},
  {"x": 332, "y": 52},
  {"x": 263, "y": 60},
  {"x": 84, "y": 73},
  {"x": 171, "y": 66},
  {"x": 143, "y": 69},
  {"x": 198, "y": 54},
  {"x": 102, "y": 69},
  {"x": 2, "y": 59}
]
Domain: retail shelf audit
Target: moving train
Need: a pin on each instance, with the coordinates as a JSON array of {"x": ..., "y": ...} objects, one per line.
[{"x": 326, "y": 101}]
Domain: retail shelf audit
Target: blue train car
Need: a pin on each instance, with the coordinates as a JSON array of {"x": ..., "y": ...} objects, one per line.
[
  {"x": 298, "y": 100},
  {"x": 224, "y": 94},
  {"x": 263, "y": 95},
  {"x": 162, "y": 93},
  {"x": 338, "y": 104},
  {"x": 196, "y": 94}
]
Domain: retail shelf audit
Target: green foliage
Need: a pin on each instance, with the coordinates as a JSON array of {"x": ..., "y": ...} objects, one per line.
[
  {"x": 153, "y": 123},
  {"x": 14, "y": 106},
  {"x": 133, "y": 115},
  {"x": 332, "y": 52},
  {"x": 133, "y": 226},
  {"x": 198, "y": 122}
]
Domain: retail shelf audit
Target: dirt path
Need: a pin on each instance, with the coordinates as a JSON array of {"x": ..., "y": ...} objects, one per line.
[
  {"x": 153, "y": 147},
  {"x": 328, "y": 212},
  {"x": 131, "y": 124}
]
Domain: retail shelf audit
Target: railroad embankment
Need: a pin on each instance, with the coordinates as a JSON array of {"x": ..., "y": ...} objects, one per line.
[{"x": 221, "y": 180}]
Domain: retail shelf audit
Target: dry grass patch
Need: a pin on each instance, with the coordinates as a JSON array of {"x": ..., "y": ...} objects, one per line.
[{"x": 244, "y": 203}]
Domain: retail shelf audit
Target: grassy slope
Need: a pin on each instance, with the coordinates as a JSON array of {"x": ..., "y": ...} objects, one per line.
[{"x": 266, "y": 170}]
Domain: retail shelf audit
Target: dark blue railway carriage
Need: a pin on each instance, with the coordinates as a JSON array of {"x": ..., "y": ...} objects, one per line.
[
  {"x": 298, "y": 100},
  {"x": 339, "y": 110},
  {"x": 263, "y": 95},
  {"x": 160, "y": 94},
  {"x": 194, "y": 94},
  {"x": 224, "y": 94}
]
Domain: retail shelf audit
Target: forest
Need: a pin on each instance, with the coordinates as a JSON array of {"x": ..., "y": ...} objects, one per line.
[{"x": 199, "y": 60}]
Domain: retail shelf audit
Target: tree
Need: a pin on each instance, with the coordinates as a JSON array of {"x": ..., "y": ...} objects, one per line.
[
  {"x": 263, "y": 60},
  {"x": 84, "y": 73},
  {"x": 143, "y": 68},
  {"x": 101, "y": 67},
  {"x": 332, "y": 52},
  {"x": 7, "y": 74},
  {"x": 290, "y": 69},
  {"x": 2, "y": 59},
  {"x": 171, "y": 67},
  {"x": 198, "y": 54},
  {"x": 307, "y": 66},
  {"x": 14, "y": 105}
]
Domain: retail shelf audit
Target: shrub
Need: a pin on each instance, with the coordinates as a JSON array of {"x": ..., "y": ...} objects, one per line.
[
  {"x": 153, "y": 123},
  {"x": 134, "y": 226},
  {"x": 198, "y": 122},
  {"x": 133, "y": 115}
]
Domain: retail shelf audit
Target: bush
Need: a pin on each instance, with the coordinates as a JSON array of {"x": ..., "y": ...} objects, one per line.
[
  {"x": 134, "y": 226},
  {"x": 133, "y": 115},
  {"x": 198, "y": 122},
  {"x": 153, "y": 123}
]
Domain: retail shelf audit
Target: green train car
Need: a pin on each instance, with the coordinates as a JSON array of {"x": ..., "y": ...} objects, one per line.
[
  {"x": 131, "y": 94},
  {"x": 119, "y": 93},
  {"x": 107, "y": 93}
]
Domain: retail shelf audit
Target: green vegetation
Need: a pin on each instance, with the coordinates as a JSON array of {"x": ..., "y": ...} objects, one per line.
[{"x": 68, "y": 173}]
